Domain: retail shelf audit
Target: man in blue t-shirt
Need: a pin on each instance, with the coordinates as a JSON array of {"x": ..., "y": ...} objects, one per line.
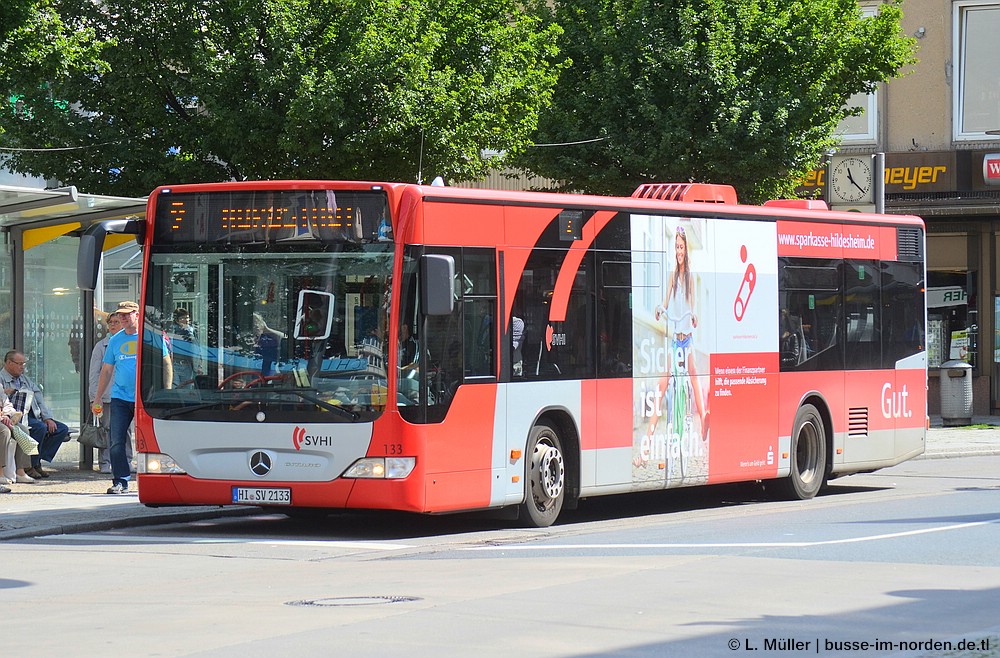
[{"x": 119, "y": 367}]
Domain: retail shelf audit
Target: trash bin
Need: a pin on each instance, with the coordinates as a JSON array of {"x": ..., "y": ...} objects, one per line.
[{"x": 956, "y": 393}]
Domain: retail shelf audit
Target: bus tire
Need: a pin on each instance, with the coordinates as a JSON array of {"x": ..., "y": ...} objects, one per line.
[
  {"x": 808, "y": 455},
  {"x": 545, "y": 478}
]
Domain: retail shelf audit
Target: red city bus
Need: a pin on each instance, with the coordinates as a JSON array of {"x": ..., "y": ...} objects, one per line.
[{"x": 434, "y": 349}]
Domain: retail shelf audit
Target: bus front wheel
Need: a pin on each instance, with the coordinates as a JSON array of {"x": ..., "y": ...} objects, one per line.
[
  {"x": 808, "y": 455},
  {"x": 545, "y": 478}
]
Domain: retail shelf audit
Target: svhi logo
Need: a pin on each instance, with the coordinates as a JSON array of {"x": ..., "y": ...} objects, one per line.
[{"x": 300, "y": 439}]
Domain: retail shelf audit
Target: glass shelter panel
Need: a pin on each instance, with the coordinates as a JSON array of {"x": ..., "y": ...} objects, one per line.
[{"x": 53, "y": 327}]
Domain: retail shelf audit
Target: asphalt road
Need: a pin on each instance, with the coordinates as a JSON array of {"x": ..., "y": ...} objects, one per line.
[{"x": 903, "y": 559}]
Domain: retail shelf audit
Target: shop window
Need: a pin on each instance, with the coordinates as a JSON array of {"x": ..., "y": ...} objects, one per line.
[{"x": 951, "y": 317}]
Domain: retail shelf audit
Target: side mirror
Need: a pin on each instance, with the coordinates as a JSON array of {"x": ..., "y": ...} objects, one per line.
[
  {"x": 437, "y": 276},
  {"x": 314, "y": 315},
  {"x": 88, "y": 257}
]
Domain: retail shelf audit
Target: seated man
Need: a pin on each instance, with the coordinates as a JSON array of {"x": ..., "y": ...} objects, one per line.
[
  {"x": 49, "y": 433},
  {"x": 13, "y": 459}
]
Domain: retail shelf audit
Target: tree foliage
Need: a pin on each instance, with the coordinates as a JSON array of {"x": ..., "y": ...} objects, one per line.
[
  {"x": 13, "y": 15},
  {"x": 32, "y": 38},
  {"x": 204, "y": 90},
  {"x": 745, "y": 92}
]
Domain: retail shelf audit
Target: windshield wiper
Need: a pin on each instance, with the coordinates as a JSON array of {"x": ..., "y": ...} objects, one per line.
[
  {"x": 180, "y": 411},
  {"x": 309, "y": 397},
  {"x": 260, "y": 395}
]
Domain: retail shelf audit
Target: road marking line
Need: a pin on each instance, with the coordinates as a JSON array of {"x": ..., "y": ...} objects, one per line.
[
  {"x": 126, "y": 539},
  {"x": 790, "y": 544}
]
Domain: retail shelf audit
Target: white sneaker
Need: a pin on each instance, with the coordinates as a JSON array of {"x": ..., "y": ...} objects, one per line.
[
  {"x": 106, "y": 468},
  {"x": 25, "y": 479}
]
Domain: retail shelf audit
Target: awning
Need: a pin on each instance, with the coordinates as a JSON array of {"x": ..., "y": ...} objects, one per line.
[{"x": 44, "y": 215}]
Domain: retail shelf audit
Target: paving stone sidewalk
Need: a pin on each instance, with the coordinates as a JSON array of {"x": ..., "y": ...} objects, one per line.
[{"x": 73, "y": 500}]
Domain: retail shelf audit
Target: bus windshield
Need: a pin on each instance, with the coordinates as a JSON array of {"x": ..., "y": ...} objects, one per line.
[{"x": 262, "y": 326}]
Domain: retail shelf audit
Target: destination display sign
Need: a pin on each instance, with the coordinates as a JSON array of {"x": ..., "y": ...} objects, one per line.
[{"x": 256, "y": 216}]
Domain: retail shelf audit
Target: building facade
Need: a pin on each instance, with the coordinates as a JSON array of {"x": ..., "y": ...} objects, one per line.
[{"x": 939, "y": 127}]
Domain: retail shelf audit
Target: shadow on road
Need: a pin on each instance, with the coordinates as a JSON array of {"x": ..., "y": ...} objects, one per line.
[{"x": 367, "y": 525}]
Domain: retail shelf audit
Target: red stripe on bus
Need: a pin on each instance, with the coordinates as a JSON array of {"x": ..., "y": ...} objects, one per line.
[{"x": 571, "y": 265}]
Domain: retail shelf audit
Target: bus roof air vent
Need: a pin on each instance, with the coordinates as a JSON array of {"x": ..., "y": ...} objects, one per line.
[{"x": 700, "y": 192}]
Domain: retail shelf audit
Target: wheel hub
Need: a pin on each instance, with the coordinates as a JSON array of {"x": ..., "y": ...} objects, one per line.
[{"x": 551, "y": 472}]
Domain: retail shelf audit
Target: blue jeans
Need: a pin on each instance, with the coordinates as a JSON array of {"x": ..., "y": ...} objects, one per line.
[
  {"x": 122, "y": 413},
  {"x": 104, "y": 456},
  {"x": 48, "y": 443}
]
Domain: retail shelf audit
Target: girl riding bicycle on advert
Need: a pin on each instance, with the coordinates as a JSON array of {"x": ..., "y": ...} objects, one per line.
[{"x": 678, "y": 310}]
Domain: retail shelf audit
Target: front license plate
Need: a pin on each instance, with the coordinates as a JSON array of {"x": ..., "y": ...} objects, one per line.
[{"x": 260, "y": 496}]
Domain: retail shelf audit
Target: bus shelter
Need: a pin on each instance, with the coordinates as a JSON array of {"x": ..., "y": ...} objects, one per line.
[{"x": 42, "y": 311}]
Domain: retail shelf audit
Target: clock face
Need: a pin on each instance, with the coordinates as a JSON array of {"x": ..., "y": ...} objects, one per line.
[{"x": 851, "y": 180}]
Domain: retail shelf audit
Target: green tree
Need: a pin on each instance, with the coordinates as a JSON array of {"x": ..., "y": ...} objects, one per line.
[
  {"x": 745, "y": 92},
  {"x": 13, "y": 15},
  {"x": 24, "y": 51},
  {"x": 206, "y": 90}
]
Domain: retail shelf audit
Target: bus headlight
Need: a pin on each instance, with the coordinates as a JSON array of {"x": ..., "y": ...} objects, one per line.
[
  {"x": 158, "y": 463},
  {"x": 382, "y": 468}
]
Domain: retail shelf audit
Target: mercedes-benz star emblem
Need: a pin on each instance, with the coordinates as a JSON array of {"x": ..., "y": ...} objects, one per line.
[{"x": 260, "y": 463}]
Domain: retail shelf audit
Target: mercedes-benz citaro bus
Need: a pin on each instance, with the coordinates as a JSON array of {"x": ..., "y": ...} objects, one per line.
[{"x": 360, "y": 345}]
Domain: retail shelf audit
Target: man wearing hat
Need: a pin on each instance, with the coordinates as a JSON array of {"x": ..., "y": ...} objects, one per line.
[
  {"x": 119, "y": 369},
  {"x": 114, "y": 324}
]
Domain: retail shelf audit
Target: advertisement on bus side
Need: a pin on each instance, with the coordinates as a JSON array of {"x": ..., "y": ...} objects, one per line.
[{"x": 704, "y": 317}]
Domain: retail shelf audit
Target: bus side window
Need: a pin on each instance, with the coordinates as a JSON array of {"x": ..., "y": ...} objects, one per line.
[
  {"x": 614, "y": 312},
  {"x": 792, "y": 345},
  {"x": 810, "y": 294},
  {"x": 441, "y": 348},
  {"x": 863, "y": 328},
  {"x": 903, "y": 309},
  {"x": 559, "y": 341},
  {"x": 479, "y": 311}
]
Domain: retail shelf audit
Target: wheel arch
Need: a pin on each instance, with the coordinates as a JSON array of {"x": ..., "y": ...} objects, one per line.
[{"x": 562, "y": 421}]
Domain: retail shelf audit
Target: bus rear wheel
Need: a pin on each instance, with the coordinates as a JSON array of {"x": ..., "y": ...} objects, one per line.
[
  {"x": 808, "y": 455},
  {"x": 545, "y": 478}
]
